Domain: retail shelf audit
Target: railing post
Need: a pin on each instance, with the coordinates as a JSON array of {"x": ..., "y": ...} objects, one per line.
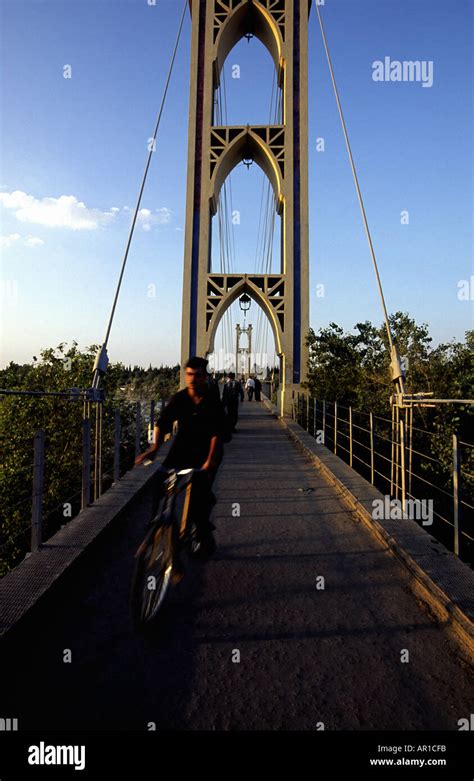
[
  {"x": 456, "y": 476},
  {"x": 117, "y": 428},
  {"x": 138, "y": 425},
  {"x": 96, "y": 449},
  {"x": 397, "y": 453},
  {"x": 410, "y": 449},
  {"x": 392, "y": 458},
  {"x": 350, "y": 436},
  {"x": 402, "y": 464},
  {"x": 99, "y": 465},
  {"x": 335, "y": 426},
  {"x": 86, "y": 462},
  {"x": 372, "y": 459},
  {"x": 315, "y": 425},
  {"x": 38, "y": 482},
  {"x": 324, "y": 421},
  {"x": 307, "y": 413},
  {"x": 293, "y": 404},
  {"x": 152, "y": 417}
]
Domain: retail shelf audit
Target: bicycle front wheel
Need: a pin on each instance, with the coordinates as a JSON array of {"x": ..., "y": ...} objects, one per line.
[{"x": 153, "y": 567}]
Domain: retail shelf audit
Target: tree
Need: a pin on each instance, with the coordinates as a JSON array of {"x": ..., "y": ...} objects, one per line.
[
  {"x": 60, "y": 369},
  {"x": 354, "y": 370}
]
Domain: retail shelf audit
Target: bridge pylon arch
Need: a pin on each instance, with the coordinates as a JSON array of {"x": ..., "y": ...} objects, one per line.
[
  {"x": 224, "y": 289},
  {"x": 280, "y": 150}
]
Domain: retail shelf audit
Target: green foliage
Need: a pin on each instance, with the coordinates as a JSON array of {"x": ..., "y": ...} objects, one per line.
[
  {"x": 354, "y": 370},
  {"x": 60, "y": 369},
  {"x": 149, "y": 384}
]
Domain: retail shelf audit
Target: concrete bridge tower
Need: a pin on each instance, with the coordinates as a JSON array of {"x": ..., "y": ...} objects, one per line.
[{"x": 280, "y": 150}]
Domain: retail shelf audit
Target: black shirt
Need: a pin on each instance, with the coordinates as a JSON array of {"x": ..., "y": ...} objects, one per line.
[
  {"x": 231, "y": 393},
  {"x": 197, "y": 424}
]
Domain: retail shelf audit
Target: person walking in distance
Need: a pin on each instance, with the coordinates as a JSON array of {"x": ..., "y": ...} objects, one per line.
[
  {"x": 232, "y": 394},
  {"x": 258, "y": 389},
  {"x": 250, "y": 387}
]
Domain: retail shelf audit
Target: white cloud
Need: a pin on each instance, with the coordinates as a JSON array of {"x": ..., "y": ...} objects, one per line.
[
  {"x": 163, "y": 215},
  {"x": 33, "y": 241},
  {"x": 114, "y": 209},
  {"x": 63, "y": 212},
  {"x": 13, "y": 238},
  {"x": 7, "y": 241},
  {"x": 146, "y": 218}
]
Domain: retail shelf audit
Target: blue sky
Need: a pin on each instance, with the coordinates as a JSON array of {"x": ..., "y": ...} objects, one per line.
[{"x": 83, "y": 141}]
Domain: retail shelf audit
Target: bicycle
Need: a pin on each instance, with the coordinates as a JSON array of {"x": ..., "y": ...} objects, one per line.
[{"x": 170, "y": 533}]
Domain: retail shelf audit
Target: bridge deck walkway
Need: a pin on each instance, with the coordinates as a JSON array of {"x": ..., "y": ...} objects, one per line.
[{"x": 308, "y": 655}]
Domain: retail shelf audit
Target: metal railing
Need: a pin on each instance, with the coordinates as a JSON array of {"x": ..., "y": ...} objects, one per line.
[
  {"x": 270, "y": 389},
  {"x": 111, "y": 438},
  {"x": 401, "y": 461}
]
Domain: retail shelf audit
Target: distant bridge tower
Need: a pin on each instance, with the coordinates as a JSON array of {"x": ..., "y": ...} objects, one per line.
[
  {"x": 280, "y": 150},
  {"x": 243, "y": 355}
]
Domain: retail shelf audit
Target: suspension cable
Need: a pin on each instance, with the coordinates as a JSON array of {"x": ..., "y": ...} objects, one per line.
[
  {"x": 97, "y": 373},
  {"x": 398, "y": 378},
  {"x": 224, "y": 261},
  {"x": 229, "y": 232},
  {"x": 266, "y": 237}
]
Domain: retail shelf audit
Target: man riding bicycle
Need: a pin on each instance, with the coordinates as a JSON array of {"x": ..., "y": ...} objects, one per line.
[{"x": 197, "y": 444}]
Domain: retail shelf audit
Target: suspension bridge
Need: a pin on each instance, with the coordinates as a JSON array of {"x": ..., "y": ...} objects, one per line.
[{"x": 316, "y": 613}]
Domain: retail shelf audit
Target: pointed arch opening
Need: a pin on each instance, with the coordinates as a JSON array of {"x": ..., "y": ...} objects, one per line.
[
  {"x": 246, "y": 92},
  {"x": 258, "y": 353},
  {"x": 246, "y": 233},
  {"x": 238, "y": 286},
  {"x": 230, "y": 146},
  {"x": 249, "y": 18}
]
